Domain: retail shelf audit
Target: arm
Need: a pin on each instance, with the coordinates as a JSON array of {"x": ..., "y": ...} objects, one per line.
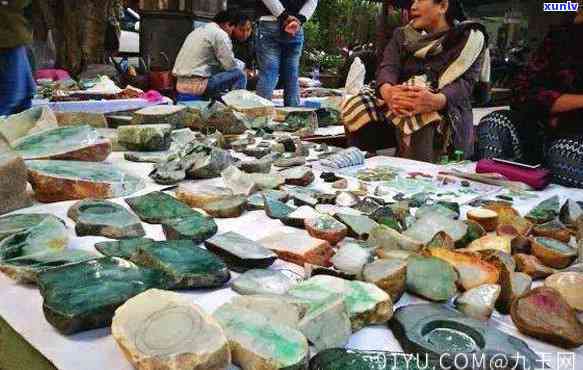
[
  {"x": 307, "y": 10},
  {"x": 567, "y": 102},
  {"x": 460, "y": 91},
  {"x": 274, "y": 6},
  {"x": 223, "y": 48}
]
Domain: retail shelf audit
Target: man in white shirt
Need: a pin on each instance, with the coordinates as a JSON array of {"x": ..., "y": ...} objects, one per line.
[{"x": 206, "y": 64}]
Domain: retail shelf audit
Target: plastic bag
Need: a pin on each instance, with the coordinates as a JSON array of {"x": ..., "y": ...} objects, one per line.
[
  {"x": 44, "y": 53},
  {"x": 356, "y": 76}
]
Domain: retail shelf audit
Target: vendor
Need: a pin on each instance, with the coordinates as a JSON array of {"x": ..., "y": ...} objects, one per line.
[
  {"x": 206, "y": 64},
  {"x": 280, "y": 42},
  {"x": 424, "y": 86},
  {"x": 16, "y": 83},
  {"x": 545, "y": 124}
]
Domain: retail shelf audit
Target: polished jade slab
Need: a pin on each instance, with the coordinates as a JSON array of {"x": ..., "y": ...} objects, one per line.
[
  {"x": 120, "y": 183},
  {"x": 187, "y": 265},
  {"x": 62, "y": 140},
  {"x": 85, "y": 295},
  {"x": 197, "y": 228},
  {"x": 105, "y": 218},
  {"x": 15, "y": 223},
  {"x": 50, "y": 235},
  {"x": 350, "y": 359},
  {"x": 239, "y": 252},
  {"x": 122, "y": 248},
  {"x": 157, "y": 207}
]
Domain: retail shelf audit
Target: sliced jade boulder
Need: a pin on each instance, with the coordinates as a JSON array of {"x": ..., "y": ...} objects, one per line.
[
  {"x": 229, "y": 207},
  {"x": 260, "y": 342},
  {"x": 351, "y": 359},
  {"x": 49, "y": 236},
  {"x": 431, "y": 278},
  {"x": 256, "y": 201},
  {"x": 197, "y": 228},
  {"x": 187, "y": 265},
  {"x": 85, "y": 295},
  {"x": 436, "y": 330},
  {"x": 157, "y": 207},
  {"x": 80, "y": 143},
  {"x": 358, "y": 226},
  {"x": 105, "y": 218},
  {"x": 240, "y": 253},
  {"x": 145, "y": 137},
  {"x": 259, "y": 281},
  {"x": 173, "y": 115},
  {"x": 570, "y": 212},
  {"x": 55, "y": 181},
  {"x": 366, "y": 303},
  {"x": 16, "y": 223},
  {"x": 25, "y": 269},
  {"x": 545, "y": 211},
  {"x": 199, "y": 195},
  {"x": 276, "y": 209},
  {"x": 122, "y": 248},
  {"x": 433, "y": 222},
  {"x": 553, "y": 253}
]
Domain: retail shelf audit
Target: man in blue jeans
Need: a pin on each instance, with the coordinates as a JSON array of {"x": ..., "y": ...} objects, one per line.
[
  {"x": 206, "y": 64},
  {"x": 279, "y": 45}
]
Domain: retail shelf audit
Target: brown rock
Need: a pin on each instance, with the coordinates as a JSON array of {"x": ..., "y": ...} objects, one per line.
[
  {"x": 388, "y": 274},
  {"x": 513, "y": 285},
  {"x": 299, "y": 248},
  {"x": 552, "y": 252},
  {"x": 197, "y": 195},
  {"x": 485, "y": 217},
  {"x": 553, "y": 229},
  {"x": 532, "y": 266},
  {"x": 519, "y": 243},
  {"x": 501, "y": 243},
  {"x": 326, "y": 228},
  {"x": 569, "y": 285},
  {"x": 13, "y": 180},
  {"x": 544, "y": 314},
  {"x": 509, "y": 216},
  {"x": 96, "y": 120},
  {"x": 230, "y": 207}
]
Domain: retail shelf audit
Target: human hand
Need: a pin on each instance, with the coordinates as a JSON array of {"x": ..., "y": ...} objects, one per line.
[
  {"x": 292, "y": 28},
  {"x": 397, "y": 98},
  {"x": 423, "y": 100}
]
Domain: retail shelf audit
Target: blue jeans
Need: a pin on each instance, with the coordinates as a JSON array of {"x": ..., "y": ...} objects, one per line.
[
  {"x": 278, "y": 55},
  {"x": 233, "y": 79},
  {"x": 16, "y": 83}
]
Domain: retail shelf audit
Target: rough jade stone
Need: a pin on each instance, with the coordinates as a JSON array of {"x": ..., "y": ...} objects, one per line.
[
  {"x": 290, "y": 162},
  {"x": 328, "y": 325},
  {"x": 104, "y": 218},
  {"x": 281, "y": 309},
  {"x": 299, "y": 176},
  {"x": 434, "y": 330},
  {"x": 479, "y": 302},
  {"x": 238, "y": 181},
  {"x": 257, "y": 166},
  {"x": 276, "y": 209},
  {"x": 569, "y": 285},
  {"x": 55, "y": 181},
  {"x": 366, "y": 303},
  {"x": 570, "y": 212},
  {"x": 145, "y": 137},
  {"x": 25, "y": 269},
  {"x": 16, "y": 223},
  {"x": 147, "y": 157},
  {"x": 552, "y": 252},
  {"x": 159, "y": 329},
  {"x": 532, "y": 266},
  {"x": 173, "y": 115},
  {"x": 96, "y": 120},
  {"x": 80, "y": 143},
  {"x": 13, "y": 182},
  {"x": 230, "y": 207},
  {"x": 299, "y": 216},
  {"x": 299, "y": 248},
  {"x": 266, "y": 181},
  {"x": 188, "y": 266},
  {"x": 327, "y": 228},
  {"x": 545, "y": 211},
  {"x": 198, "y": 195},
  {"x": 431, "y": 278},
  {"x": 554, "y": 229},
  {"x": 384, "y": 238},
  {"x": 30, "y": 121},
  {"x": 157, "y": 207},
  {"x": 50, "y": 235},
  {"x": 260, "y": 281},
  {"x": 350, "y": 258},
  {"x": 240, "y": 253},
  {"x": 388, "y": 274},
  {"x": 122, "y": 248},
  {"x": 350, "y": 359},
  {"x": 197, "y": 228},
  {"x": 259, "y": 343},
  {"x": 433, "y": 222},
  {"x": 256, "y": 202},
  {"x": 85, "y": 295},
  {"x": 358, "y": 226}
]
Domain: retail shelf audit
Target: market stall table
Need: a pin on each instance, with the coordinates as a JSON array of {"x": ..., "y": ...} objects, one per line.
[{"x": 28, "y": 341}]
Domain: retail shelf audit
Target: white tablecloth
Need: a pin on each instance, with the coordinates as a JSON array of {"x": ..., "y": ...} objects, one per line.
[{"x": 21, "y": 306}]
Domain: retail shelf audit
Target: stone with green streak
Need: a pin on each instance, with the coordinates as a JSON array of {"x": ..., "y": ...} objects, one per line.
[
  {"x": 187, "y": 265},
  {"x": 104, "y": 218},
  {"x": 122, "y": 248},
  {"x": 276, "y": 209},
  {"x": 431, "y": 278},
  {"x": 545, "y": 211},
  {"x": 173, "y": 115},
  {"x": 328, "y": 325},
  {"x": 267, "y": 181},
  {"x": 239, "y": 252},
  {"x": 435, "y": 330},
  {"x": 25, "y": 269},
  {"x": 260, "y": 281},
  {"x": 255, "y": 201},
  {"x": 350, "y": 359},
  {"x": 76, "y": 142},
  {"x": 18, "y": 222},
  {"x": 366, "y": 303},
  {"x": 261, "y": 343},
  {"x": 84, "y": 296},
  {"x": 358, "y": 226},
  {"x": 158, "y": 207},
  {"x": 197, "y": 228},
  {"x": 230, "y": 207},
  {"x": 48, "y": 236},
  {"x": 145, "y": 138}
]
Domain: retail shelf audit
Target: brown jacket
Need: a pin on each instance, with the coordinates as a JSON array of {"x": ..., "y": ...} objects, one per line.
[{"x": 13, "y": 26}]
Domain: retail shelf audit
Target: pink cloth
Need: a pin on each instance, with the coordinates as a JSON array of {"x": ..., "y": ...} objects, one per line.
[
  {"x": 537, "y": 178},
  {"x": 152, "y": 96},
  {"x": 51, "y": 74}
]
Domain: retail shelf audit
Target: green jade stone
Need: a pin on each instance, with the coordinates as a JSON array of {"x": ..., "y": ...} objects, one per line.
[
  {"x": 240, "y": 253},
  {"x": 157, "y": 207},
  {"x": 350, "y": 359},
  {"x": 256, "y": 202},
  {"x": 545, "y": 211},
  {"x": 229, "y": 207},
  {"x": 84, "y": 296},
  {"x": 268, "y": 342},
  {"x": 122, "y": 248},
  {"x": 19, "y": 222},
  {"x": 104, "y": 218},
  {"x": 197, "y": 228},
  {"x": 145, "y": 137},
  {"x": 431, "y": 278},
  {"x": 49, "y": 236},
  {"x": 435, "y": 330},
  {"x": 358, "y": 226},
  {"x": 58, "y": 142},
  {"x": 276, "y": 209},
  {"x": 259, "y": 281},
  {"x": 557, "y": 246},
  {"x": 188, "y": 266}
]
